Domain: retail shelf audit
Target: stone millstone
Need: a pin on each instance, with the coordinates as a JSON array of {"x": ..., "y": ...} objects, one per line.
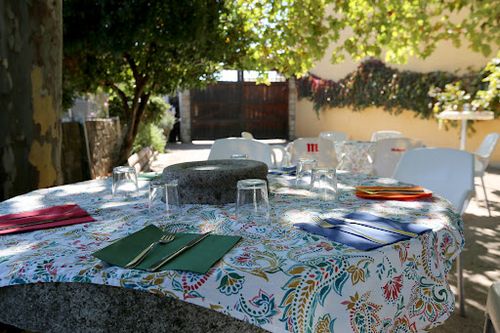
[{"x": 213, "y": 181}]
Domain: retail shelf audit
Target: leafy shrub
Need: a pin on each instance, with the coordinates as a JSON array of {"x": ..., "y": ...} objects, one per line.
[
  {"x": 151, "y": 135},
  {"x": 480, "y": 92},
  {"x": 167, "y": 121},
  {"x": 154, "y": 113}
]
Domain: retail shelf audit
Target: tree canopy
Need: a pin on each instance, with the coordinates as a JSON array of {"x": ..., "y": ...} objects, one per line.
[{"x": 139, "y": 48}]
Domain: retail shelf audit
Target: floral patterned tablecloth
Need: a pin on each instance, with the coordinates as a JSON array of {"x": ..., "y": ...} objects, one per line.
[{"x": 279, "y": 278}]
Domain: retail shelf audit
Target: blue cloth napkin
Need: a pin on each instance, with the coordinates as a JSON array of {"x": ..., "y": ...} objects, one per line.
[
  {"x": 349, "y": 237},
  {"x": 290, "y": 171}
]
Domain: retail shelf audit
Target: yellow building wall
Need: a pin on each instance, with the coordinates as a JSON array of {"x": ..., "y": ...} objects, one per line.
[{"x": 361, "y": 124}]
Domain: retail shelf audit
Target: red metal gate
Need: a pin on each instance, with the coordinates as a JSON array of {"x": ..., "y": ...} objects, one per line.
[{"x": 227, "y": 108}]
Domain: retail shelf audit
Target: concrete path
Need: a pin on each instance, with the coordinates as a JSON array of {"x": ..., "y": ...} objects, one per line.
[{"x": 481, "y": 257}]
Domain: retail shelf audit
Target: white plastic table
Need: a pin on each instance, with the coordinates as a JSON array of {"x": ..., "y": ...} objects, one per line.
[{"x": 465, "y": 116}]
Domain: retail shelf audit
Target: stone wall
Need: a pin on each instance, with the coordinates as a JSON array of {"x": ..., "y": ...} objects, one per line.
[{"x": 103, "y": 138}]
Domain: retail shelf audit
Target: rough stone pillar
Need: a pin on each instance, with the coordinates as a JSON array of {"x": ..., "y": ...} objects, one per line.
[
  {"x": 185, "y": 113},
  {"x": 30, "y": 95},
  {"x": 292, "y": 106}
]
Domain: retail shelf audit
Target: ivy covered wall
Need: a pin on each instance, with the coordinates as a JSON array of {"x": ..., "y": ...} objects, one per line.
[{"x": 373, "y": 84}]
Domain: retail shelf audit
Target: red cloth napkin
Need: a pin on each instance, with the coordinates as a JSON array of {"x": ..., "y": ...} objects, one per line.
[{"x": 45, "y": 218}]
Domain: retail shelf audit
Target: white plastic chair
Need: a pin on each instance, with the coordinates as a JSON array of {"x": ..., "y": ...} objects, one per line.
[
  {"x": 280, "y": 156},
  {"x": 322, "y": 150},
  {"x": 492, "y": 315},
  {"x": 379, "y": 135},
  {"x": 482, "y": 158},
  {"x": 448, "y": 173},
  {"x": 303, "y": 148},
  {"x": 388, "y": 152},
  {"x": 255, "y": 150}
]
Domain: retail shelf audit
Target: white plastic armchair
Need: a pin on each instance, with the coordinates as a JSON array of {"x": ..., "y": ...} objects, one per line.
[
  {"x": 482, "y": 159},
  {"x": 303, "y": 148},
  {"x": 379, "y": 135},
  {"x": 280, "y": 156},
  {"x": 255, "y": 150},
  {"x": 388, "y": 152},
  {"x": 448, "y": 173}
]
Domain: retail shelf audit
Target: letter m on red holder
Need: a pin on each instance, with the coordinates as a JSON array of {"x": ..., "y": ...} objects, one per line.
[{"x": 312, "y": 148}]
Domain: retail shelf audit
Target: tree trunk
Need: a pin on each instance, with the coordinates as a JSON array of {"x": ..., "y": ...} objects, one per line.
[
  {"x": 131, "y": 130},
  {"x": 30, "y": 95}
]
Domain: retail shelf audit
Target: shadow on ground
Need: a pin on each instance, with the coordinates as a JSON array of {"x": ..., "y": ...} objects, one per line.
[{"x": 481, "y": 258}]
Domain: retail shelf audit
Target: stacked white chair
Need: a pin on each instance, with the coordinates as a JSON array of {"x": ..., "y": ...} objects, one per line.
[
  {"x": 379, "y": 135},
  {"x": 482, "y": 159},
  {"x": 279, "y": 152},
  {"x": 448, "y": 173},
  {"x": 303, "y": 148},
  {"x": 255, "y": 150},
  {"x": 388, "y": 152}
]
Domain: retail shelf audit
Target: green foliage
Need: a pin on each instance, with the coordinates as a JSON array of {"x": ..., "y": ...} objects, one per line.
[
  {"x": 375, "y": 84},
  {"x": 480, "y": 91},
  {"x": 164, "y": 45},
  {"x": 150, "y": 135},
  {"x": 155, "y": 109},
  {"x": 136, "y": 49},
  {"x": 168, "y": 120},
  {"x": 290, "y": 36},
  {"x": 400, "y": 29}
]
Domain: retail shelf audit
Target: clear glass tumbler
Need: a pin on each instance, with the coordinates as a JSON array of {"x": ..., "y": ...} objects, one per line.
[
  {"x": 124, "y": 181},
  {"x": 156, "y": 199},
  {"x": 252, "y": 201},
  {"x": 324, "y": 183},
  {"x": 163, "y": 197},
  {"x": 304, "y": 172}
]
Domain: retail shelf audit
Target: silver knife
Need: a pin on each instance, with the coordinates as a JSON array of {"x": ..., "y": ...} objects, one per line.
[
  {"x": 189, "y": 245},
  {"x": 376, "y": 226}
]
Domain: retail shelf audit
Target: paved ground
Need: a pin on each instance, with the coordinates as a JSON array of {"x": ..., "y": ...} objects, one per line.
[{"x": 481, "y": 257}]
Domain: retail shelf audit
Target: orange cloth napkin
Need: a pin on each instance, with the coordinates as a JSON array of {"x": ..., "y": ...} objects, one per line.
[
  {"x": 404, "y": 193},
  {"x": 45, "y": 218}
]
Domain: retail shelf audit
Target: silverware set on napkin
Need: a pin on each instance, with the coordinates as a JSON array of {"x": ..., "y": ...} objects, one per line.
[
  {"x": 166, "y": 238},
  {"x": 350, "y": 225}
]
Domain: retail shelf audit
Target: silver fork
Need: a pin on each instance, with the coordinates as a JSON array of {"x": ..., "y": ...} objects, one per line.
[
  {"x": 324, "y": 224},
  {"x": 166, "y": 238}
]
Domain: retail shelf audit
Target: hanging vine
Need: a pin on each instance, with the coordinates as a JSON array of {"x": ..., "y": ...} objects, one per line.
[{"x": 373, "y": 84}]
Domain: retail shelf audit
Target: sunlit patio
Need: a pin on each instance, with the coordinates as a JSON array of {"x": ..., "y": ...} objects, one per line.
[{"x": 249, "y": 166}]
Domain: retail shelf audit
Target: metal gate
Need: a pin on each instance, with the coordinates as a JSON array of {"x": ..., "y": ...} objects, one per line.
[{"x": 227, "y": 108}]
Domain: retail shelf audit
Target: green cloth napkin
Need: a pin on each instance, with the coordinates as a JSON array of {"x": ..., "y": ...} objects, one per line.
[{"x": 197, "y": 259}]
